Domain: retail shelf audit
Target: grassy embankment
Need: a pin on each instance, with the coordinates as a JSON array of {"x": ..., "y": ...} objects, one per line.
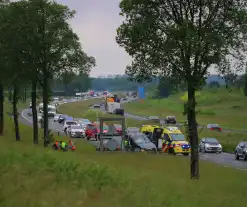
[
  {"x": 229, "y": 109},
  {"x": 81, "y": 109},
  {"x": 33, "y": 176}
]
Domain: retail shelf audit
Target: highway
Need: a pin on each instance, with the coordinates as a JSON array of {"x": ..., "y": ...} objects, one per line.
[{"x": 224, "y": 159}]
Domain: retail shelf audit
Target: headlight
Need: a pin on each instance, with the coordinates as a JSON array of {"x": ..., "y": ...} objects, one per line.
[
  {"x": 220, "y": 146},
  {"x": 207, "y": 145}
]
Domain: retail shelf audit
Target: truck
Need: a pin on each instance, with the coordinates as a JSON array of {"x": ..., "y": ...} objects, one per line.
[
  {"x": 52, "y": 110},
  {"x": 113, "y": 106}
]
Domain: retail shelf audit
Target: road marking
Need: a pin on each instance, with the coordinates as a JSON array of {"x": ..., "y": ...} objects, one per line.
[
  {"x": 237, "y": 168},
  {"x": 22, "y": 114}
]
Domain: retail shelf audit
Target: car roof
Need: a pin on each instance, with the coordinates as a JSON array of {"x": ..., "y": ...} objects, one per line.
[{"x": 213, "y": 125}]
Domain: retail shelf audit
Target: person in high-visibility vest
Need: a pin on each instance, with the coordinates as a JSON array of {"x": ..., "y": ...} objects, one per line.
[{"x": 63, "y": 145}]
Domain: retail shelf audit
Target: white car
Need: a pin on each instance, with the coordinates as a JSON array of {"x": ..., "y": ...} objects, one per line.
[
  {"x": 56, "y": 117},
  {"x": 75, "y": 131},
  {"x": 69, "y": 123},
  {"x": 84, "y": 122},
  {"x": 210, "y": 145},
  {"x": 40, "y": 116}
]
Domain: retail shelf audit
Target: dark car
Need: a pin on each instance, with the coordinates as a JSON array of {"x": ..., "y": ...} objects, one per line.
[
  {"x": 96, "y": 106},
  {"x": 138, "y": 141},
  {"x": 170, "y": 120},
  {"x": 214, "y": 127},
  {"x": 241, "y": 151},
  {"x": 62, "y": 118}
]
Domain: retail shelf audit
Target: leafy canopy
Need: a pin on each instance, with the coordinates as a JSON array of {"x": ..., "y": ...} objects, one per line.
[{"x": 182, "y": 37}]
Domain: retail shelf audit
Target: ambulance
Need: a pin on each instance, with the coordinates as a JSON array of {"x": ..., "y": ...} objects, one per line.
[
  {"x": 169, "y": 139},
  {"x": 174, "y": 142}
]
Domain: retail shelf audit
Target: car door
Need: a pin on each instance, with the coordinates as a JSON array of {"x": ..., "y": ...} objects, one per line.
[
  {"x": 69, "y": 129},
  {"x": 202, "y": 144},
  {"x": 167, "y": 142},
  {"x": 240, "y": 149}
]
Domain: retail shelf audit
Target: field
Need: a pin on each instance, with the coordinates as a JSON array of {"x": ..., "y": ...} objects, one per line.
[
  {"x": 34, "y": 176},
  {"x": 81, "y": 110},
  {"x": 218, "y": 106}
]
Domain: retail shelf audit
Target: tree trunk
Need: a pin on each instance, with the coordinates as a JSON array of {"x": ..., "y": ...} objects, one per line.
[
  {"x": 45, "y": 109},
  {"x": 25, "y": 95},
  {"x": 15, "y": 113},
  {"x": 34, "y": 112},
  {"x": 245, "y": 83},
  {"x": 193, "y": 135},
  {"x": 10, "y": 94},
  {"x": 1, "y": 109}
]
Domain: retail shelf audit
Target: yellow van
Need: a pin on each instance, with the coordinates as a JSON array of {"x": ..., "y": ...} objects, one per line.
[{"x": 174, "y": 142}]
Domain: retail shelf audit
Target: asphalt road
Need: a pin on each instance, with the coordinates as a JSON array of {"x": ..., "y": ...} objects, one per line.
[{"x": 224, "y": 159}]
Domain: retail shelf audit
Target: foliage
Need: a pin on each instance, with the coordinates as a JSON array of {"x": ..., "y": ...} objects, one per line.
[{"x": 37, "y": 49}]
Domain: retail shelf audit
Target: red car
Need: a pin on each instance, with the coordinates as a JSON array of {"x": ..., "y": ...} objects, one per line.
[
  {"x": 105, "y": 128},
  {"x": 90, "y": 131},
  {"x": 118, "y": 127},
  {"x": 214, "y": 127}
]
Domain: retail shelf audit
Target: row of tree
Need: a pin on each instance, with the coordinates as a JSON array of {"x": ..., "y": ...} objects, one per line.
[
  {"x": 184, "y": 39},
  {"x": 37, "y": 46}
]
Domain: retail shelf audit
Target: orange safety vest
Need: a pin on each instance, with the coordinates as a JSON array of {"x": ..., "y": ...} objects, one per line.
[{"x": 110, "y": 100}]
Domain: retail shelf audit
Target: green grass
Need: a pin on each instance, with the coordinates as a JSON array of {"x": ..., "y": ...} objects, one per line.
[
  {"x": 36, "y": 176},
  {"x": 229, "y": 109},
  {"x": 81, "y": 110}
]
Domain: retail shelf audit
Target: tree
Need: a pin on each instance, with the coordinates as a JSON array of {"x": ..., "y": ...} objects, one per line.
[
  {"x": 3, "y": 5},
  {"x": 57, "y": 49},
  {"x": 67, "y": 78},
  {"x": 185, "y": 38},
  {"x": 245, "y": 82}
]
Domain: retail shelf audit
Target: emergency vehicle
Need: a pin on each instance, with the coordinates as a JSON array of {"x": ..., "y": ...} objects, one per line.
[
  {"x": 174, "y": 142},
  {"x": 171, "y": 141}
]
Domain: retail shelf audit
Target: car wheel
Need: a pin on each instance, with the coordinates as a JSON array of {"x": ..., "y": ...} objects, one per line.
[
  {"x": 245, "y": 158},
  {"x": 171, "y": 151},
  {"x": 236, "y": 156}
]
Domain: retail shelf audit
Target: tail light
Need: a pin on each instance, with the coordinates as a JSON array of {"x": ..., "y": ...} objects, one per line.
[
  {"x": 211, "y": 129},
  {"x": 220, "y": 129}
]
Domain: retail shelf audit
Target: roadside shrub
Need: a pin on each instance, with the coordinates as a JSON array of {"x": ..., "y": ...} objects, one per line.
[{"x": 82, "y": 175}]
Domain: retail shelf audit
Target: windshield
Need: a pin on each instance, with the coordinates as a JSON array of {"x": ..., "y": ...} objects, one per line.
[
  {"x": 211, "y": 140},
  {"x": 75, "y": 127},
  {"x": 91, "y": 127},
  {"x": 71, "y": 123},
  {"x": 214, "y": 125},
  {"x": 141, "y": 138},
  {"x": 104, "y": 127},
  {"x": 85, "y": 121},
  {"x": 118, "y": 126},
  {"x": 177, "y": 137}
]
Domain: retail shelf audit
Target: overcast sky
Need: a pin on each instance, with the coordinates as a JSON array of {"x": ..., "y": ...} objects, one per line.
[{"x": 95, "y": 23}]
